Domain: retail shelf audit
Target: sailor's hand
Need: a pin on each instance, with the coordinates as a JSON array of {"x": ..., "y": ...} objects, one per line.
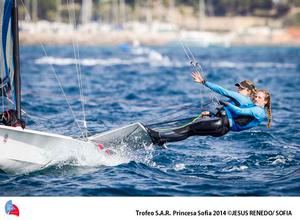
[
  {"x": 205, "y": 114},
  {"x": 223, "y": 103},
  {"x": 198, "y": 77}
]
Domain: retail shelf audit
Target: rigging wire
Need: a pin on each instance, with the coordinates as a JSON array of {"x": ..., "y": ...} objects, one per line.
[
  {"x": 33, "y": 117},
  {"x": 188, "y": 56},
  {"x": 72, "y": 20},
  {"x": 197, "y": 68},
  {"x": 191, "y": 59},
  {"x": 176, "y": 116},
  {"x": 58, "y": 80},
  {"x": 65, "y": 96}
]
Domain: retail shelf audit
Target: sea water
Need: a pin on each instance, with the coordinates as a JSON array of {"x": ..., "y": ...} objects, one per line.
[{"x": 121, "y": 85}]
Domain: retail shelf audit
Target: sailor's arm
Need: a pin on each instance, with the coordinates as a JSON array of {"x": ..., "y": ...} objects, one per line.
[
  {"x": 216, "y": 88},
  {"x": 222, "y": 91},
  {"x": 251, "y": 111}
]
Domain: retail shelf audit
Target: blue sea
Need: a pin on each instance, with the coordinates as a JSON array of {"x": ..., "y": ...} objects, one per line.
[{"x": 124, "y": 84}]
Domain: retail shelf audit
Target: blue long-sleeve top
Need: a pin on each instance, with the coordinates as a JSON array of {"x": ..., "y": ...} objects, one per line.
[
  {"x": 235, "y": 97},
  {"x": 257, "y": 114},
  {"x": 245, "y": 107}
]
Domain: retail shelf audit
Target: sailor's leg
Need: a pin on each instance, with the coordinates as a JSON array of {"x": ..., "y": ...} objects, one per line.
[
  {"x": 162, "y": 137},
  {"x": 217, "y": 126},
  {"x": 207, "y": 126},
  {"x": 203, "y": 126},
  {"x": 175, "y": 135}
]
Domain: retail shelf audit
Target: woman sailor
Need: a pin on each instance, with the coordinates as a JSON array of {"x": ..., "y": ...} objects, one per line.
[{"x": 237, "y": 115}]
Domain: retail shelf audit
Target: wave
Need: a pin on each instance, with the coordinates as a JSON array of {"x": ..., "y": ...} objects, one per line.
[
  {"x": 151, "y": 57},
  {"x": 83, "y": 156},
  {"x": 258, "y": 65},
  {"x": 152, "y": 60},
  {"x": 157, "y": 60},
  {"x": 139, "y": 56},
  {"x": 179, "y": 166},
  {"x": 235, "y": 168},
  {"x": 279, "y": 159}
]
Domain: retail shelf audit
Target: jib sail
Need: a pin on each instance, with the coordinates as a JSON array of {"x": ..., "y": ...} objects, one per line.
[{"x": 9, "y": 56}]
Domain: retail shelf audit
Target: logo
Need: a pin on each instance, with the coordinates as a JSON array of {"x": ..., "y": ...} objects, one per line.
[{"x": 11, "y": 209}]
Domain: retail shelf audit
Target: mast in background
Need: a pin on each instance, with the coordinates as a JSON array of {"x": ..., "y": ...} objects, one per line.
[
  {"x": 27, "y": 15},
  {"x": 34, "y": 15},
  {"x": 58, "y": 10},
  {"x": 87, "y": 11},
  {"x": 201, "y": 14}
]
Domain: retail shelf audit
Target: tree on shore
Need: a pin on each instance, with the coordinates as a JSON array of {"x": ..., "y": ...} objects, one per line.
[{"x": 47, "y": 9}]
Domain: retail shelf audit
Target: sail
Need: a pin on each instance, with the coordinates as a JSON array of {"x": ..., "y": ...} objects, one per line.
[{"x": 6, "y": 51}]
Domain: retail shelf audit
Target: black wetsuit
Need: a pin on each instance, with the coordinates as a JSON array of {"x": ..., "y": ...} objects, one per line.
[{"x": 207, "y": 126}]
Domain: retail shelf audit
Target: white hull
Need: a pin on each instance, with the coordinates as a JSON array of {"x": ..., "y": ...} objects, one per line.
[
  {"x": 23, "y": 151},
  {"x": 133, "y": 136}
]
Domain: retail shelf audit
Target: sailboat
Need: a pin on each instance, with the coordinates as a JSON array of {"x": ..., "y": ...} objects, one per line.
[{"x": 25, "y": 150}]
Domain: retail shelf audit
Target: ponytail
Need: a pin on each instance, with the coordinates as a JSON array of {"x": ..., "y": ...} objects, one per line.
[
  {"x": 267, "y": 105},
  {"x": 269, "y": 112}
]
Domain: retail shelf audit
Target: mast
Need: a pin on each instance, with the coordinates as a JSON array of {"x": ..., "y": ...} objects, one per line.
[
  {"x": 16, "y": 57},
  {"x": 87, "y": 11},
  {"x": 201, "y": 14}
]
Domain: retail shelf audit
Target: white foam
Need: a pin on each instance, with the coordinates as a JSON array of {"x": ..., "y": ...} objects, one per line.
[
  {"x": 60, "y": 61},
  {"x": 237, "y": 168},
  {"x": 179, "y": 166},
  {"x": 243, "y": 65},
  {"x": 140, "y": 50},
  {"x": 140, "y": 55},
  {"x": 279, "y": 159},
  {"x": 94, "y": 157},
  {"x": 154, "y": 58}
]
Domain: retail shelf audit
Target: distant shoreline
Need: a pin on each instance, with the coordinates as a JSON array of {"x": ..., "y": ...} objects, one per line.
[
  {"x": 101, "y": 38},
  {"x": 115, "y": 38}
]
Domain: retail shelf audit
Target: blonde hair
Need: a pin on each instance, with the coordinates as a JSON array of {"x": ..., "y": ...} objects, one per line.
[
  {"x": 252, "y": 93},
  {"x": 250, "y": 86},
  {"x": 267, "y": 105}
]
